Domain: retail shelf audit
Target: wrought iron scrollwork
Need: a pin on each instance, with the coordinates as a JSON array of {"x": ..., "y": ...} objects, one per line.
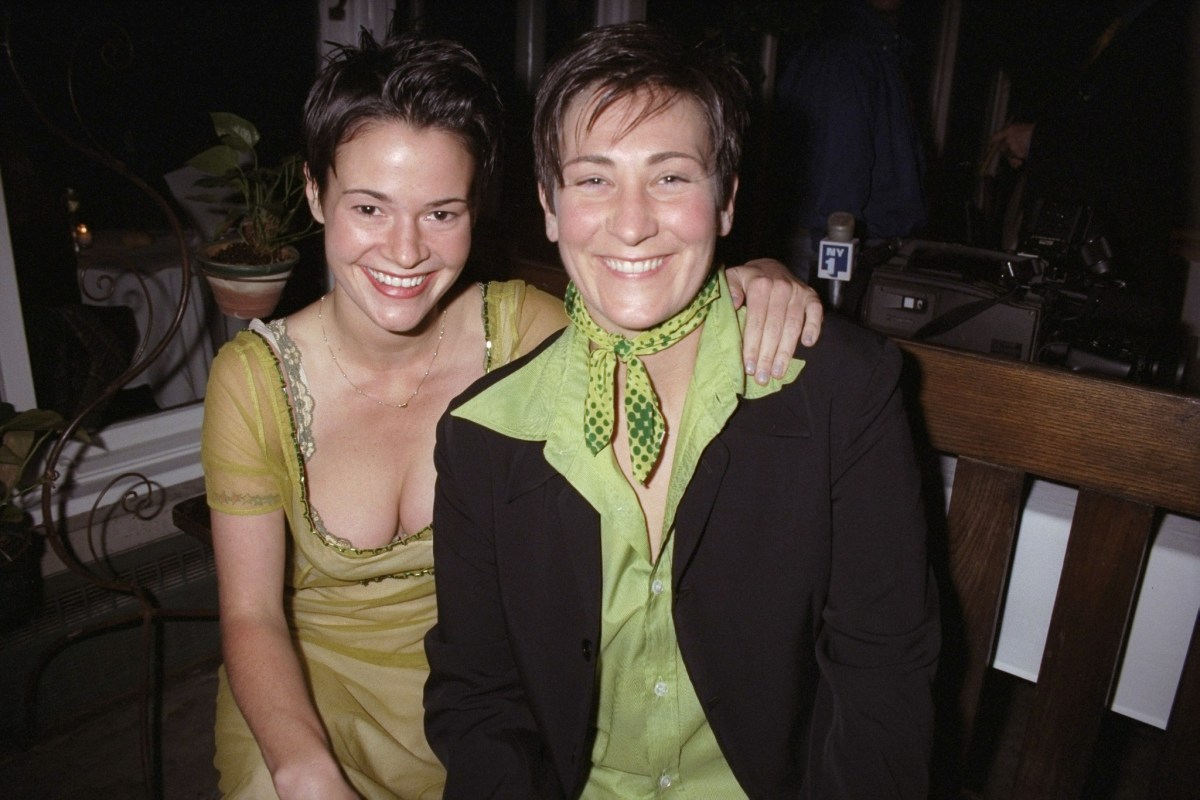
[{"x": 111, "y": 46}]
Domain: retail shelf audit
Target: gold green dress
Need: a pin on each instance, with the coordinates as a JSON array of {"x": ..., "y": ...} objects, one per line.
[{"x": 358, "y": 617}]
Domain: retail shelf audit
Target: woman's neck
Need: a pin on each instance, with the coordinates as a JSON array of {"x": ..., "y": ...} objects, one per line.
[{"x": 359, "y": 339}]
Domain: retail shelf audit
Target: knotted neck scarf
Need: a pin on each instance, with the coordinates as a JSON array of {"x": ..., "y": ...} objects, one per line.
[{"x": 643, "y": 415}]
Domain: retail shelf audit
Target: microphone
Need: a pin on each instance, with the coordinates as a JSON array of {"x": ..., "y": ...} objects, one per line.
[{"x": 835, "y": 254}]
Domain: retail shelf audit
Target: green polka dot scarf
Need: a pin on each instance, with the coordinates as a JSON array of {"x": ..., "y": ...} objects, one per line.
[{"x": 642, "y": 413}]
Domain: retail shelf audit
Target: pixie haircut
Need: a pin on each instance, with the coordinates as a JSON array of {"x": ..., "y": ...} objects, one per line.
[
  {"x": 615, "y": 62},
  {"x": 424, "y": 82}
]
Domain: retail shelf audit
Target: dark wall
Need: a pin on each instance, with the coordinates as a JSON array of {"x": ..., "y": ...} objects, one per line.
[
  {"x": 144, "y": 76},
  {"x": 512, "y": 225}
]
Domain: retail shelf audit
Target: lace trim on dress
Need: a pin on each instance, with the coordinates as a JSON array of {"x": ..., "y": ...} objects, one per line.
[
  {"x": 295, "y": 380},
  {"x": 302, "y": 405},
  {"x": 487, "y": 331},
  {"x": 345, "y": 545}
]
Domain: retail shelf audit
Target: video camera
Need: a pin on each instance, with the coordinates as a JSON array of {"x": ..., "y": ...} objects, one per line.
[{"x": 1055, "y": 300}]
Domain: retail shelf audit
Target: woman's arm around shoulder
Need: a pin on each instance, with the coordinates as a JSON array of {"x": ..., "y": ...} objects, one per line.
[{"x": 781, "y": 312}]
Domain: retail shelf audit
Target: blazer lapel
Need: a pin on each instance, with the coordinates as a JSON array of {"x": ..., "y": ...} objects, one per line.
[
  {"x": 579, "y": 525},
  {"x": 569, "y": 520},
  {"x": 768, "y": 417},
  {"x": 691, "y": 518}
]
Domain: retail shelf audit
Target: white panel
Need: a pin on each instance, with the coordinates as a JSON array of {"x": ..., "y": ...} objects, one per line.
[
  {"x": 16, "y": 378},
  {"x": 1167, "y": 603}
]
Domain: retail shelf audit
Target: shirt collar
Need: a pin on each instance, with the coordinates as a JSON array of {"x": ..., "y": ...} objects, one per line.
[{"x": 542, "y": 401}]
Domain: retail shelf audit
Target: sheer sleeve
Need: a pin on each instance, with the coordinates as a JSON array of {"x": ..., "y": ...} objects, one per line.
[
  {"x": 518, "y": 317},
  {"x": 242, "y": 441}
]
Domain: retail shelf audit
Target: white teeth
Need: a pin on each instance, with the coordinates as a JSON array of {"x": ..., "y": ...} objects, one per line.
[
  {"x": 395, "y": 281},
  {"x": 633, "y": 267}
]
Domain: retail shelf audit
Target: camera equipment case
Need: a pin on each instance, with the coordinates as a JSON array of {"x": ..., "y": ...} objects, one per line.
[{"x": 957, "y": 296}]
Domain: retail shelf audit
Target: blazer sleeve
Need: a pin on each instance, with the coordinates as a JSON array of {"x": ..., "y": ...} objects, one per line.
[
  {"x": 879, "y": 640},
  {"x": 477, "y": 718}
]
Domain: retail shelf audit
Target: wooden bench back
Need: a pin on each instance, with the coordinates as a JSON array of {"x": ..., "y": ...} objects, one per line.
[{"x": 1130, "y": 450}]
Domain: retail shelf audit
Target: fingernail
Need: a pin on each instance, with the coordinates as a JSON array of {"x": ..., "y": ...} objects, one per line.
[
  {"x": 807, "y": 339},
  {"x": 779, "y": 369},
  {"x": 749, "y": 367},
  {"x": 762, "y": 377}
]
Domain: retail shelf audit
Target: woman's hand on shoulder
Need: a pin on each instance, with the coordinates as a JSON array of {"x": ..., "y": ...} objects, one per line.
[{"x": 781, "y": 311}]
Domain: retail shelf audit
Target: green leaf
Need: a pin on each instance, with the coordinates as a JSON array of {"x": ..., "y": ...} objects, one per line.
[
  {"x": 264, "y": 201},
  {"x": 35, "y": 419},
  {"x": 234, "y": 131},
  {"x": 8, "y": 456},
  {"x": 211, "y": 182},
  {"x": 19, "y": 444},
  {"x": 216, "y": 160}
]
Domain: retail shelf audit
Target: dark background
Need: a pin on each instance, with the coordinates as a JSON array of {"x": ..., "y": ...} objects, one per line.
[{"x": 142, "y": 77}]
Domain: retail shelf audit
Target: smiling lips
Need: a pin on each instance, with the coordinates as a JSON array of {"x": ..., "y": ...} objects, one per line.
[
  {"x": 396, "y": 281},
  {"x": 633, "y": 267}
]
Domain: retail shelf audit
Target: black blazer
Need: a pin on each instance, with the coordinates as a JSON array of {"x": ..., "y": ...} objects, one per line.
[{"x": 803, "y": 605}]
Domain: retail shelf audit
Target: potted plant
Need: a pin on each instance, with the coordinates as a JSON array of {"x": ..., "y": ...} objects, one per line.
[
  {"x": 22, "y": 435},
  {"x": 264, "y": 214}
]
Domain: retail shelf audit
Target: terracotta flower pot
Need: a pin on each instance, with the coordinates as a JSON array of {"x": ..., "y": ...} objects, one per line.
[{"x": 246, "y": 291}]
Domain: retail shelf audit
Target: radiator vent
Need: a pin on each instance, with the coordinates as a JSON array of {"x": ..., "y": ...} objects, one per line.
[{"x": 84, "y": 605}]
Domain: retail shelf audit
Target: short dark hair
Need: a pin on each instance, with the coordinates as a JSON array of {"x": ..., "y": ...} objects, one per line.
[
  {"x": 620, "y": 61},
  {"x": 424, "y": 82}
]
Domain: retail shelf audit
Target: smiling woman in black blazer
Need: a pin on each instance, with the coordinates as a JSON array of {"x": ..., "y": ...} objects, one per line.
[{"x": 654, "y": 575}]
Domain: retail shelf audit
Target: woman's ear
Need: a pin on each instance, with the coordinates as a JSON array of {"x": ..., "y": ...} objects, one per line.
[
  {"x": 726, "y": 213},
  {"x": 313, "y": 192},
  {"x": 551, "y": 217}
]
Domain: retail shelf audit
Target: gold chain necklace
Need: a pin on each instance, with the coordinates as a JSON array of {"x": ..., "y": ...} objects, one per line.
[{"x": 354, "y": 386}]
